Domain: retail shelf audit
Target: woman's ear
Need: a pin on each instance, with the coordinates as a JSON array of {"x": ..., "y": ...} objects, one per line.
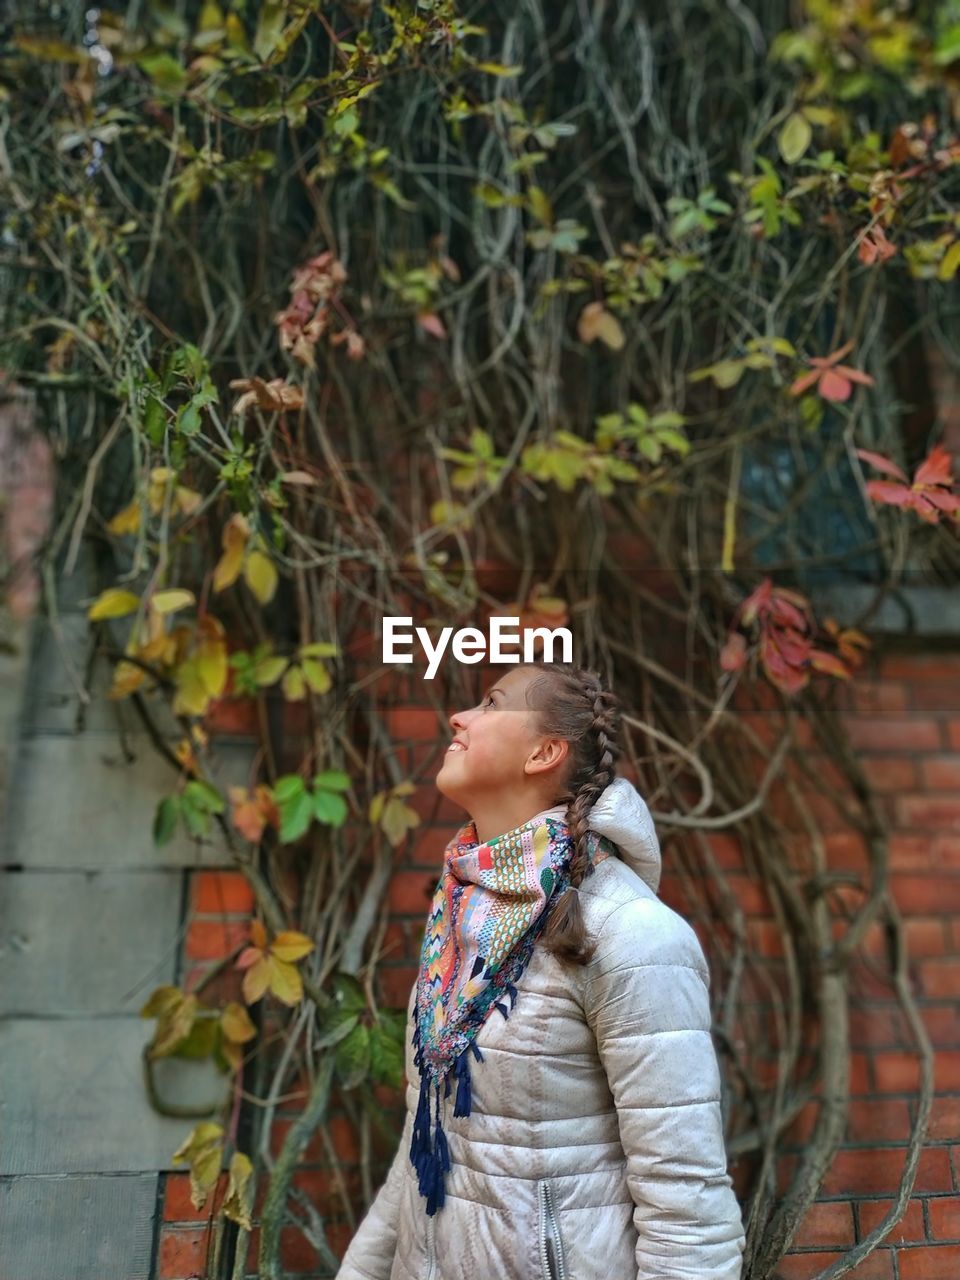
[{"x": 549, "y": 755}]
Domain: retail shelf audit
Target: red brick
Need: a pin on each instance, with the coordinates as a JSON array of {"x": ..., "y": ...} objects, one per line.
[
  {"x": 297, "y": 1254},
  {"x": 940, "y": 978},
  {"x": 896, "y": 1072},
  {"x": 917, "y": 895},
  {"x": 927, "y": 936},
  {"x": 892, "y": 734},
  {"x": 936, "y": 696},
  {"x": 946, "y": 852},
  {"x": 920, "y": 666},
  {"x": 944, "y": 1120},
  {"x": 890, "y": 773},
  {"x": 929, "y": 811},
  {"x": 428, "y": 844},
  {"x": 224, "y": 987},
  {"x": 825, "y": 1223},
  {"x": 910, "y": 1226},
  {"x": 797, "y": 1134},
  {"x": 750, "y": 894},
  {"x": 953, "y": 734},
  {"x": 805, "y": 1266},
  {"x": 183, "y": 1252},
  {"x": 395, "y": 984},
  {"x": 410, "y": 892},
  {"x": 940, "y": 773},
  {"x": 846, "y": 850},
  {"x": 929, "y": 1262},
  {"x": 877, "y": 698},
  {"x": 910, "y": 852},
  {"x": 874, "y": 1027},
  {"x": 221, "y": 893},
  {"x": 343, "y": 1135},
  {"x": 177, "y": 1205},
  {"x": 944, "y": 1215},
  {"x": 420, "y": 724},
  {"x": 878, "y": 1120},
  {"x": 873, "y": 1172},
  {"x": 726, "y": 849},
  {"x": 212, "y": 939}
]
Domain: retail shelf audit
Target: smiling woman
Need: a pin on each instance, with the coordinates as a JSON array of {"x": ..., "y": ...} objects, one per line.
[{"x": 570, "y": 1008}]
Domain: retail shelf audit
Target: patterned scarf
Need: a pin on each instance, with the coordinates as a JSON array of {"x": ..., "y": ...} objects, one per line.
[{"x": 491, "y": 904}]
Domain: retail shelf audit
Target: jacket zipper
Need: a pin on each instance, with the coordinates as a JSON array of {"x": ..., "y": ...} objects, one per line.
[
  {"x": 550, "y": 1236},
  {"x": 431, "y": 1250}
]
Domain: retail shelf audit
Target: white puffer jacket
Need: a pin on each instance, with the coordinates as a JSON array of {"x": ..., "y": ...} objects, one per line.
[{"x": 594, "y": 1150}]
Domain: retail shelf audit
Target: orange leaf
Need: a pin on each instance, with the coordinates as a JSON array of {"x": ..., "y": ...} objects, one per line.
[{"x": 935, "y": 468}]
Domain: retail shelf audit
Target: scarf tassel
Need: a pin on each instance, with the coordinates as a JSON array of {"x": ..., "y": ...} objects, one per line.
[
  {"x": 464, "y": 1098},
  {"x": 431, "y": 1160}
]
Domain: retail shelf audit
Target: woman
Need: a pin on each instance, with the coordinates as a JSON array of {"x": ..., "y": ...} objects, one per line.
[{"x": 577, "y": 1135}]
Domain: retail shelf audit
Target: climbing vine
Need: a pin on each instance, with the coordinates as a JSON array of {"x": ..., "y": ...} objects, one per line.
[{"x": 333, "y": 311}]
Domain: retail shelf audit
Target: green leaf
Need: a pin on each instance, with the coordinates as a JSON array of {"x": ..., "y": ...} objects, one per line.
[
  {"x": 386, "y": 1057},
  {"x": 330, "y": 808},
  {"x": 288, "y": 788},
  {"x": 336, "y": 1028},
  {"x": 204, "y": 795},
  {"x": 165, "y": 820},
  {"x": 795, "y": 137},
  {"x": 950, "y": 263},
  {"x": 296, "y": 816},
  {"x": 352, "y": 1057},
  {"x": 332, "y": 780},
  {"x": 165, "y": 71},
  {"x": 269, "y": 29}
]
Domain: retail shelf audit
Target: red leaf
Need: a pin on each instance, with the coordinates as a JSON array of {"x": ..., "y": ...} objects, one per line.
[
  {"x": 804, "y": 383},
  {"x": 733, "y": 655},
  {"x": 836, "y": 356},
  {"x": 882, "y": 464},
  {"x": 247, "y": 957},
  {"x": 834, "y": 386},
  {"x": 431, "y": 323},
  {"x": 897, "y": 495},
  {"x": 855, "y": 375},
  {"x": 935, "y": 468},
  {"x": 943, "y": 500},
  {"x": 757, "y": 601},
  {"x": 785, "y": 612}
]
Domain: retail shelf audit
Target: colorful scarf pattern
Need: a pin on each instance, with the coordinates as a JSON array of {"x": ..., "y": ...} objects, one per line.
[{"x": 491, "y": 904}]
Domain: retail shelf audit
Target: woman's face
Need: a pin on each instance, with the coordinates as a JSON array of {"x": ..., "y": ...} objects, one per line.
[{"x": 490, "y": 756}]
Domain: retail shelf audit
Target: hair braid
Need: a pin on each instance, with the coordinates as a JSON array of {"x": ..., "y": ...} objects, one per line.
[{"x": 575, "y": 705}]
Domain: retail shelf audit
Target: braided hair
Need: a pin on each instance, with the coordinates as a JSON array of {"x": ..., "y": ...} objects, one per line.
[{"x": 572, "y": 703}]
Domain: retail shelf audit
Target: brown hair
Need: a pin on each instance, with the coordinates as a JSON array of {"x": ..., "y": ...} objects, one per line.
[{"x": 572, "y": 703}]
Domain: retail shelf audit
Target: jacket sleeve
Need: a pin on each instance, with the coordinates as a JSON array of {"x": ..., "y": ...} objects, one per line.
[
  {"x": 646, "y": 996},
  {"x": 371, "y": 1251}
]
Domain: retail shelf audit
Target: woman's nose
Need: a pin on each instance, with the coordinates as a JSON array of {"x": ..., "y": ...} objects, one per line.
[{"x": 459, "y": 720}]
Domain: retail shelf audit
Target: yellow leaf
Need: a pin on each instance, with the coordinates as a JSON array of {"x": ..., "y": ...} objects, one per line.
[
  {"x": 316, "y": 675},
  {"x": 174, "y": 1026},
  {"x": 950, "y": 262},
  {"x": 258, "y": 934},
  {"x": 203, "y": 1151},
  {"x": 113, "y": 603},
  {"x": 294, "y": 686},
  {"x": 211, "y": 665},
  {"x": 170, "y": 601},
  {"x": 236, "y": 1202},
  {"x": 234, "y": 539},
  {"x": 285, "y": 981},
  {"x": 236, "y": 1023},
  {"x": 269, "y": 670},
  {"x": 191, "y": 697},
  {"x": 160, "y": 1001},
  {"x": 126, "y": 678},
  {"x": 261, "y": 576},
  {"x": 188, "y": 500},
  {"x": 256, "y": 980},
  {"x": 127, "y": 520},
  {"x": 398, "y": 819},
  {"x": 291, "y": 946},
  {"x": 597, "y": 322}
]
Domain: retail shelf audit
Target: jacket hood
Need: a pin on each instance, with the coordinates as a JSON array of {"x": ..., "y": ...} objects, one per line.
[{"x": 621, "y": 814}]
